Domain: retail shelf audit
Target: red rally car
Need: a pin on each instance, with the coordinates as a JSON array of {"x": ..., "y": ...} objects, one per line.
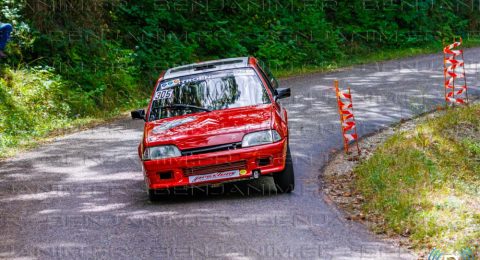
[{"x": 215, "y": 122}]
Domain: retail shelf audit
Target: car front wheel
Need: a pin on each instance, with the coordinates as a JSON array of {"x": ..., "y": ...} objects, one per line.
[
  {"x": 285, "y": 180},
  {"x": 158, "y": 195}
]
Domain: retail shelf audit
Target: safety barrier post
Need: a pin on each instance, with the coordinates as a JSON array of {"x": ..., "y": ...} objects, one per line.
[
  {"x": 347, "y": 119},
  {"x": 454, "y": 94}
]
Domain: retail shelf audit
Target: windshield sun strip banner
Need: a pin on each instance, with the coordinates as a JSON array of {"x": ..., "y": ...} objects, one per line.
[{"x": 211, "y": 75}]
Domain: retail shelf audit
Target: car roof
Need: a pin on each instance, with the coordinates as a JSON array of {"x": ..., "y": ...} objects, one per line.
[{"x": 207, "y": 66}]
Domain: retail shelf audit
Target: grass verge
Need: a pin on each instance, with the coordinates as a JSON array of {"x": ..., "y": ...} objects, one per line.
[
  {"x": 425, "y": 183},
  {"x": 37, "y": 103}
]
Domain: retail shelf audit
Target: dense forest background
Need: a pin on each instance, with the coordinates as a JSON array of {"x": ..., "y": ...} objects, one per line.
[{"x": 71, "y": 60}]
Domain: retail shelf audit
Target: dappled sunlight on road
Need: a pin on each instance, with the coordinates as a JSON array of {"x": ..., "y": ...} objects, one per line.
[{"x": 37, "y": 196}]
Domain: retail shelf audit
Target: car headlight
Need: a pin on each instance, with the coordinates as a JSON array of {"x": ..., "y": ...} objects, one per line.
[
  {"x": 261, "y": 137},
  {"x": 161, "y": 152}
]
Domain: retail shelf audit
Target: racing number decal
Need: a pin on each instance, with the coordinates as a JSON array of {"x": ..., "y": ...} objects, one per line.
[{"x": 163, "y": 94}]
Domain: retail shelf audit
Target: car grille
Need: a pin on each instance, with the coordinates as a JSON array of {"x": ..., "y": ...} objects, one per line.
[
  {"x": 211, "y": 149},
  {"x": 239, "y": 165}
]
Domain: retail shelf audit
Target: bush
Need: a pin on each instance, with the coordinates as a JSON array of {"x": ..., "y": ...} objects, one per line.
[{"x": 33, "y": 103}]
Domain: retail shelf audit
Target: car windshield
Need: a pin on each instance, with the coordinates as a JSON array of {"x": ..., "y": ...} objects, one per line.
[{"x": 207, "y": 92}]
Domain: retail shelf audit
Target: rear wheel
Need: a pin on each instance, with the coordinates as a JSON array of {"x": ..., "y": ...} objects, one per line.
[{"x": 285, "y": 180}]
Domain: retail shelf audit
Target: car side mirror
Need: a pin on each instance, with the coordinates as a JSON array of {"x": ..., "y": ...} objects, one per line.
[
  {"x": 138, "y": 114},
  {"x": 282, "y": 93}
]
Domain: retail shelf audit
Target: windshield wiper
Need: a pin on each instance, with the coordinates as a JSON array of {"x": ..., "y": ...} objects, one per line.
[{"x": 184, "y": 106}]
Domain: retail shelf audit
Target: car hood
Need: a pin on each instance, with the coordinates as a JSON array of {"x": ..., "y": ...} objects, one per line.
[{"x": 208, "y": 128}]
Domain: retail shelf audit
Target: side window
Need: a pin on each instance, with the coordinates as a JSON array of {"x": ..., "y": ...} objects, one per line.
[
  {"x": 267, "y": 79},
  {"x": 270, "y": 77}
]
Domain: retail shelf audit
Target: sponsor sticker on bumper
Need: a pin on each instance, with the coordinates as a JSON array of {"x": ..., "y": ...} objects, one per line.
[{"x": 214, "y": 176}]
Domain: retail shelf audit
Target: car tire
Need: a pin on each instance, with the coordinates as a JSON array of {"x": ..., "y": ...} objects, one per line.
[
  {"x": 285, "y": 180},
  {"x": 157, "y": 195}
]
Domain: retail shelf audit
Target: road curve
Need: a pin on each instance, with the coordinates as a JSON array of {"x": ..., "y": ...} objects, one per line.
[{"x": 82, "y": 196}]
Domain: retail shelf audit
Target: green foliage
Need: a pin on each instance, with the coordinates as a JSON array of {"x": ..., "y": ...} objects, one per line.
[
  {"x": 32, "y": 102},
  {"x": 36, "y": 101},
  {"x": 60, "y": 75},
  {"x": 286, "y": 34},
  {"x": 161, "y": 34}
]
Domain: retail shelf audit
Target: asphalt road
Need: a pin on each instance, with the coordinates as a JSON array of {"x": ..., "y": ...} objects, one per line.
[{"x": 82, "y": 196}]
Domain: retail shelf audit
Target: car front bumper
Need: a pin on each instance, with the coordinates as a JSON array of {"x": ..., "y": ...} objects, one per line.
[{"x": 214, "y": 168}]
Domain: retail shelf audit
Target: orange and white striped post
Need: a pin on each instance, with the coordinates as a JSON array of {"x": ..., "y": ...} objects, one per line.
[
  {"x": 347, "y": 119},
  {"x": 454, "y": 94}
]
